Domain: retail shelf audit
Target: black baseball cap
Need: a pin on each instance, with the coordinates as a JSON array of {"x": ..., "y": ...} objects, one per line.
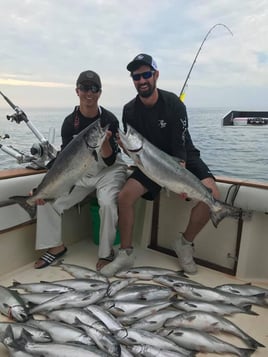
[
  {"x": 141, "y": 59},
  {"x": 89, "y": 76}
]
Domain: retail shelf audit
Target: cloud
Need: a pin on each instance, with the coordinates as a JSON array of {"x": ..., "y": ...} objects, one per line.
[{"x": 45, "y": 44}]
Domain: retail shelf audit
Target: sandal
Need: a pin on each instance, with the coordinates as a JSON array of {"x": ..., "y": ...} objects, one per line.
[
  {"x": 49, "y": 258},
  {"x": 104, "y": 261}
]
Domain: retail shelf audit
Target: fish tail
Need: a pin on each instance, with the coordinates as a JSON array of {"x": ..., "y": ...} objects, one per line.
[
  {"x": 261, "y": 299},
  {"x": 246, "y": 352},
  {"x": 221, "y": 210},
  {"x": 58, "y": 263},
  {"x": 22, "y": 201},
  {"x": 15, "y": 283},
  {"x": 247, "y": 310},
  {"x": 252, "y": 343}
]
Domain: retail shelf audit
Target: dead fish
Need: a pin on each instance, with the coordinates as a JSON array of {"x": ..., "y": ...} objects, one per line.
[
  {"x": 131, "y": 336},
  {"x": 8, "y": 341},
  {"x": 12, "y": 305},
  {"x": 62, "y": 332},
  {"x": 105, "y": 342},
  {"x": 70, "y": 165},
  {"x": 81, "y": 284},
  {"x": 106, "y": 317},
  {"x": 144, "y": 292},
  {"x": 166, "y": 171},
  {"x": 70, "y": 299},
  {"x": 124, "y": 307},
  {"x": 172, "y": 280},
  {"x": 151, "y": 351},
  {"x": 38, "y": 335},
  {"x": 201, "y": 341},
  {"x": 32, "y": 299},
  {"x": 210, "y": 294},
  {"x": 70, "y": 315},
  {"x": 243, "y": 289},
  {"x": 42, "y": 287},
  {"x": 208, "y": 322},
  {"x": 118, "y": 285},
  {"x": 80, "y": 272},
  {"x": 53, "y": 349},
  {"x": 219, "y": 308},
  {"x": 148, "y": 272},
  {"x": 129, "y": 319},
  {"x": 156, "y": 320}
]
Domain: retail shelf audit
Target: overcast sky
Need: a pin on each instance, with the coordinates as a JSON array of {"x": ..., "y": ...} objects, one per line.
[{"x": 45, "y": 44}]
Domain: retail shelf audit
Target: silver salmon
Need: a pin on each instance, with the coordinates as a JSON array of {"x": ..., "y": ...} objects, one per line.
[
  {"x": 202, "y": 341},
  {"x": 12, "y": 305},
  {"x": 208, "y": 322},
  {"x": 70, "y": 165},
  {"x": 166, "y": 171}
]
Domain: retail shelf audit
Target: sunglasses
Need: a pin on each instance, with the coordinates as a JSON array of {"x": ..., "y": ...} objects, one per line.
[
  {"x": 144, "y": 75},
  {"x": 86, "y": 87}
]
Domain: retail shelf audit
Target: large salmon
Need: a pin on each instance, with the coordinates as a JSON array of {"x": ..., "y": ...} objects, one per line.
[
  {"x": 166, "y": 171},
  {"x": 70, "y": 165}
]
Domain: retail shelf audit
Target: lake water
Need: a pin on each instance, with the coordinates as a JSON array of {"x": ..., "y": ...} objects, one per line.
[{"x": 237, "y": 152}]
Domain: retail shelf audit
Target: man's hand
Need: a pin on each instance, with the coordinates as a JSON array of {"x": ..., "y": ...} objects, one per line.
[
  {"x": 38, "y": 202},
  {"x": 183, "y": 195}
]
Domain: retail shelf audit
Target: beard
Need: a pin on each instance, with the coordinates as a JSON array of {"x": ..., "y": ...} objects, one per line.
[{"x": 147, "y": 93}]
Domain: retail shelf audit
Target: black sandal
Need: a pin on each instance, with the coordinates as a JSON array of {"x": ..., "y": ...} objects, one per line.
[
  {"x": 49, "y": 258},
  {"x": 108, "y": 259}
]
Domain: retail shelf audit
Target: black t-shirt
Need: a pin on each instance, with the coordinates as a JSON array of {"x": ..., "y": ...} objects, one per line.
[
  {"x": 76, "y": 122},
  {"x": 165, "y": 124}
]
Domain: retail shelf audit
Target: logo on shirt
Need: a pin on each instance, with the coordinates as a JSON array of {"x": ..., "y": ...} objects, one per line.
[{"x": 162, "y": 123}]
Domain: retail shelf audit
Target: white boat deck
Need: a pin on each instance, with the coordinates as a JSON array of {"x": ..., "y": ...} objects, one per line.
[{"x": 84, "y": 253}]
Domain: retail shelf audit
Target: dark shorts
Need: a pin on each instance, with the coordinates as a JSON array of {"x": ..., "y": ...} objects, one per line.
[{"x": 195, "y": 165}]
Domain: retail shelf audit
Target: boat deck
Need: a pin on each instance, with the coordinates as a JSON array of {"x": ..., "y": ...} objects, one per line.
[{"x": 84, "y": 253}]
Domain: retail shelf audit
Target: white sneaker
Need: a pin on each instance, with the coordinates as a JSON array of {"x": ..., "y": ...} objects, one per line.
[
  {"x": 124, "y": 260},
  {"x": 184, "y": 251}
]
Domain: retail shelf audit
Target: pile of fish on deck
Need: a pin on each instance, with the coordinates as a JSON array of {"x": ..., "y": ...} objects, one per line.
[{"x": 88, "y": 315}]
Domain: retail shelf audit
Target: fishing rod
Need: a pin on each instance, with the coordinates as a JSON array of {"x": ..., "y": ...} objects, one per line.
[
  {"x": 182, "y": 92},
  {"x": 40, "y": 151}
]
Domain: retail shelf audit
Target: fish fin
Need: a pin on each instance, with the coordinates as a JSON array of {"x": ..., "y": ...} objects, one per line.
[
  {"x": 71, "y": 189},
  {"x": 182, "y": 273},
  {"x": 174, "y": 299},
  {"x": 8, "y": 337},
  {"x": 261, "y": 299},
  {"x": 58, "y": 263},
  {"x": 252, "y": 343},
  {"x": 14, "y": 284},
  {"x": 31, "y": 304},
  {"x": 22, "y": 201},
  {"x": 223, "y": 210},
  {"x": 247, "y": 310},
  {"x": 95, "y": 155}
]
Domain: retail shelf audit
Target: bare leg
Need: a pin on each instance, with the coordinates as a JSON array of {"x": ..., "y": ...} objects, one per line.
[
  {"x": 198, "y": 219},
  {"x": 126, "y": 200},
  {"x": 200, "y": 213}
]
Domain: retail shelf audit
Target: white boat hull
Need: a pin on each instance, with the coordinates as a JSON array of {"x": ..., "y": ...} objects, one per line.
[{"x": 215, "y": 247}]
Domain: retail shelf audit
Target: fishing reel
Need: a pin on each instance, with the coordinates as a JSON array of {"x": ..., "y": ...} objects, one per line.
[
  {"x": 40, "y": 152},
  {"x": 17, "y": 117}
]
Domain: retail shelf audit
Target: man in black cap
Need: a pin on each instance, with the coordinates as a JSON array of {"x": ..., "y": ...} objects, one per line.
[
  {"x": 161, "y": 117},
  {"x": 106, "y": 176}
]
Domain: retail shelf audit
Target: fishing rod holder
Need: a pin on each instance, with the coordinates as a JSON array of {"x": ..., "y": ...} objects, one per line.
[
  {"x": 40, "y": 152},
  {"x": 17, "y": 154}
]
